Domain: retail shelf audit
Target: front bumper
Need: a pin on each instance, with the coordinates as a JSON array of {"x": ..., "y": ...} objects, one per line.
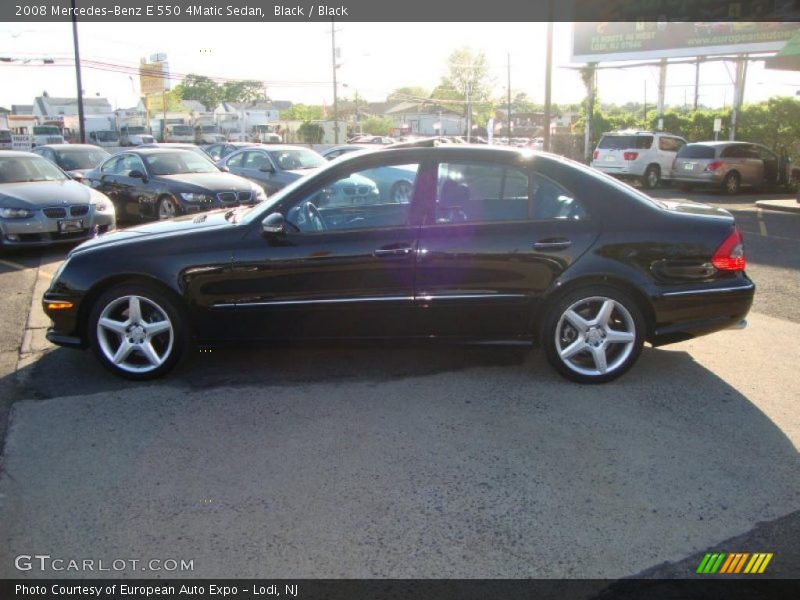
[{"x": 40, "y": 230}]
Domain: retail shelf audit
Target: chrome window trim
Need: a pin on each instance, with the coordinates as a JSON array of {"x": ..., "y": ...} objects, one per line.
[{"x": 425, "y": 298}]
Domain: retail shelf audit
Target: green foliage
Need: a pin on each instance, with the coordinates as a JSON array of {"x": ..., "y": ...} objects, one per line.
[
  {"x": 311, "y": 133},
  {"x": 377, "y": 125},
  {"x": 242, "y": 91},
  {"x": 408, "y": 92},
  {"x": 302, "y": 112},
  {"x": 210, "y": 93}
]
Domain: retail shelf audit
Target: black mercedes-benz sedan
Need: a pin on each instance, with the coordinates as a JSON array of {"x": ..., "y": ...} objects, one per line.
[
  {"x": 494, "y": 245},
  {"x": 163, "y": 182}
]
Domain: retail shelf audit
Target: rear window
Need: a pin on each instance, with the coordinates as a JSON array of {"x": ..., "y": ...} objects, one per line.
[
  {"x": 696, "y": 151},
  {"x": 626, "y": 142}
]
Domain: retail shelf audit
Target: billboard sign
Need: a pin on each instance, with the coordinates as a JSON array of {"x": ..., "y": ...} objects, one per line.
[
  {"x": 618, "y": 41},
  {"x": 153, "y": 77}
]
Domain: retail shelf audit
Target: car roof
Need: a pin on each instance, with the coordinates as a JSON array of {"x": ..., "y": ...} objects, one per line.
[
  {"x": 154, "y": 150},
  {"x": 18, "y": 154},
  {"x": 721, "y": 143},
  {"x": 70, "y": 146}
]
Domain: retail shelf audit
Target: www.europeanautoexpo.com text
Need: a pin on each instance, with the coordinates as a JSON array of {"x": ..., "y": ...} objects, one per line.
[
  {"x": 180, "y": 10},
  {"x": 252, "y": 590}
]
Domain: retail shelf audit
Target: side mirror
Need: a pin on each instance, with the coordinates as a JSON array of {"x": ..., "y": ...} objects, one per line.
[
  {"x": 138, "y": 175},
  {"x": 267, "y": 169},
  {"x": 274, "y": 224},
  {"x": 224, "y": 169}
]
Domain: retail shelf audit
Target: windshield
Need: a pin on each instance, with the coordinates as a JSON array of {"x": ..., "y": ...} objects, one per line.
[
  {"x": 135, "y": 130},
  {"x": 106, "y": 136},
  {"x": 696, "y": 151},
  {"x": 71, "y": 159},
  {"x": 176, "y": 163},
  {"x": 297, "y": 158},
  {"x": 182, "y": 130},
  {"x": 625, "y": 142},
  {"x": 46, "y": 131},
  {"x": 18, "y": 169}
]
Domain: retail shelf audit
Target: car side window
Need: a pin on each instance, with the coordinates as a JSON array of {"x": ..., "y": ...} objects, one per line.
[
  {"x": 670, "y": 144},
  {"x": 110, "y": 166},
  {"x": 235, "y": 160},
  {"x": 481, "y": 192},
  {"x": 553, "y": 202},
  {"x": 255, "y": 160},
  {"x": 129, "y": 163},
  {"x": 372, "y": 198}
]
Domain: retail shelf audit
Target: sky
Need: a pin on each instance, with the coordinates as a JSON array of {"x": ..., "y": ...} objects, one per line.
[{"x": 294, "y": 59}]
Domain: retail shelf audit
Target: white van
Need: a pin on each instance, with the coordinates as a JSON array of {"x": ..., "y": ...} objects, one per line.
[{"x": 646, "y": 156}]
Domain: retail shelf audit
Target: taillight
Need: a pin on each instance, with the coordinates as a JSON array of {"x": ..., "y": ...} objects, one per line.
[
  {"x": 730, "y": 255},
  {"x": 630, "y": 155},
  {"x": 596, "y": 154},
  {"x": 713, "y": 166}
]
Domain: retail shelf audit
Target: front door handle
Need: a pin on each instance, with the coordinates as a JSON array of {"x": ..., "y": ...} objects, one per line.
[
  {"x": 552, "y": 244},
  {"x": 393, "y": 251}
]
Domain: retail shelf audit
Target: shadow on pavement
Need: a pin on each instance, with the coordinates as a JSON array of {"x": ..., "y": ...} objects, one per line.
[{"x": 381, "y": 462}]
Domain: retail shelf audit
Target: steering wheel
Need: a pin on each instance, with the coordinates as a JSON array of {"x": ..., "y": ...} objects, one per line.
[{"x": 314, "y": 217}]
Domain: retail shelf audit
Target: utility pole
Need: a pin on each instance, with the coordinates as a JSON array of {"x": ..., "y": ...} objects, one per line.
[
  {"x": 548, "y": 73},
  {"x": 696, "y": 83},
  {"x": 469, "y": 111},
  {"x": 644, "y": 109},
  {"x": 82, "y": 125},
  {"x": 335, "y": 96},
  {"x": 509, "y": 94}
]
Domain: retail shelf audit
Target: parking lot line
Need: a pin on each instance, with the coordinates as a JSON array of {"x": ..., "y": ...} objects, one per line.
[{"x": 762, "y": 227}]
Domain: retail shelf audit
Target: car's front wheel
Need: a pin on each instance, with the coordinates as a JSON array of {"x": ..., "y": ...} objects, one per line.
[
  {"x": 401, "y": 192},
  {"x": 137, "y": 331},
  {"x": 167, "y": 208},
  {"x": 593, "y": 335}
]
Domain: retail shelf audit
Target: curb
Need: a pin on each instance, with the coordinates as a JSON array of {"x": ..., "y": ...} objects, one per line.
[
  {"x": 34, "y": 343},
  {"x": 780, "y": 205}
]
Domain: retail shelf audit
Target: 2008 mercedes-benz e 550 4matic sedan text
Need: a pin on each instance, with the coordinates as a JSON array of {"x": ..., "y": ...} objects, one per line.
[{"x": 492, "y": 245}]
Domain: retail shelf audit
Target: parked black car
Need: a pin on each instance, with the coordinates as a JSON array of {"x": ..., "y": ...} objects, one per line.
[
  {"x": 160, "y": 183},
  {"x": 74, "y": 159},
  {"x": 222, "y": 149},
  {"x": 494, "y": 245}
]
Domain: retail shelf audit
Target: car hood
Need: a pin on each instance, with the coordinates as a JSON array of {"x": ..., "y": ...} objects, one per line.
[
  {"x": 158, "y": 229},
  {"x": 38, "y": 194},
  {"x": 215, "y": 182}
]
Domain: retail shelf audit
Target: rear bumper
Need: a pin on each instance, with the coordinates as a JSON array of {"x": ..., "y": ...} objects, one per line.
[{"x": 684, "y": 314}]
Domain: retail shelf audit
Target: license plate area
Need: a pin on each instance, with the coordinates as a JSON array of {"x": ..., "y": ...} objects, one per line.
[
  {"x": 70, "y": 225},
  {"x": 610, "y": 158},
  {"x": 688, "y": 166}
]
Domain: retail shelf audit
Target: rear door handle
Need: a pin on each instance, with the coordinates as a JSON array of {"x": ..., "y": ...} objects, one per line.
[
  {"x": 393, "y": 251},
  {"x": 552, "y": 244}
]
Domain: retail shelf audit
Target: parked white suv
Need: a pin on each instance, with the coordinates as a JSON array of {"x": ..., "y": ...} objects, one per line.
[{"x": 643, "y": 155}]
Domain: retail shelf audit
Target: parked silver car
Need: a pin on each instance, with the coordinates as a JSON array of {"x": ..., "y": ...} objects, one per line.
[
  {"x": 41, "y": 205},
  {"x": 731, "y": 166}
]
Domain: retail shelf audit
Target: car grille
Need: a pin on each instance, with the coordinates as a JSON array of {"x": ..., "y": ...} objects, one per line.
[
  {"x": 79, "y": 211},
  {"x": 356, "y": 190},
  {"x": 55, "y": 213},
  {"x": 245, "y": 196},
  {"x": 227, "y": 197}
]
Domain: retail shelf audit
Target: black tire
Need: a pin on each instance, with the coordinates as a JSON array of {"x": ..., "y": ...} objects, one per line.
[
  {"x": 168, "y": 346},
  {"x": 582, "y": 367},
  {"x": 651, "y": 177},
  {"x": 732, "y": 183},
  {"x": 167, "y": 208}
]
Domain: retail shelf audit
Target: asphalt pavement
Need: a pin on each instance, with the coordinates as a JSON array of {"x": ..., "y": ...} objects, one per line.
[{"x": 348, "y": 461}]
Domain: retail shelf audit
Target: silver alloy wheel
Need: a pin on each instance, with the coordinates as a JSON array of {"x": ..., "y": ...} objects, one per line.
[
  {"x": 166, "y": 209},
  {"x": 135, "y": 334},
  {"x": 401, "y": 192},
  {"x": 732, "y": 183},
  {"x": 595, "y": 336}
]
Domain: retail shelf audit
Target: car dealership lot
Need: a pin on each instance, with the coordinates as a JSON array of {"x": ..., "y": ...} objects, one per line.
[{"x": 406, "y": 461}]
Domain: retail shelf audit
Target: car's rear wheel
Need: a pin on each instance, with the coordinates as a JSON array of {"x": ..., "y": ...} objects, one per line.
[
  {"x": 651, "y": 177},
  {"x": 401, "y": 192},
  {"x": 167, "y": 208},
  {"x": 137, "y": 331},
  {"x": 594, "y": 334},
  {"x": 732, "y": 183}
]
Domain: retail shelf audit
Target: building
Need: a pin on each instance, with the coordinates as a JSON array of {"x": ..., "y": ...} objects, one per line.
[
  {"x": 46, "y": 107},
  {"x": 425, "y": 118},
  {"x": 242, "y": 117},
  {"x": 23, "y": 110}
]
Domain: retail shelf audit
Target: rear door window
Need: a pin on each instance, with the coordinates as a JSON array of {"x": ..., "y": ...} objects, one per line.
[
  {"x": 670, "y": 144},
  {"x": 696, "y": 151},
  {"x": 626, "y": 142}
]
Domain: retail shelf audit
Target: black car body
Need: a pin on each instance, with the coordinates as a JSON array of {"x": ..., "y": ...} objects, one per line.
[
  {"x": 74, "y": 159},
  {"x": 162, "y": 182},
  {"x": 495, "y": 245}
]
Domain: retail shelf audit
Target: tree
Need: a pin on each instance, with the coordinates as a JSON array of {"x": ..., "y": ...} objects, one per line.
[
  {"x": 468, "y": 69},
  {"x": 302, "y": 112},
  {"x": 242, "y": 91},
  {"x": 202, "y": 89},
  {"x": 377, "y": 125},
  {"x": 311, "y": 133},
  {"x": 407, "y": 93}
]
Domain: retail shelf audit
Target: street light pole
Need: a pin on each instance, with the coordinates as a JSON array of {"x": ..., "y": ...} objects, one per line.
[
  {"x": 335, "y": 96},
  {"x": 82, "y": 125}
]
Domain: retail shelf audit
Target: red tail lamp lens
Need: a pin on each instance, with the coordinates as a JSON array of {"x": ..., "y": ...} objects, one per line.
[{"x": 730, "y": 255}]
